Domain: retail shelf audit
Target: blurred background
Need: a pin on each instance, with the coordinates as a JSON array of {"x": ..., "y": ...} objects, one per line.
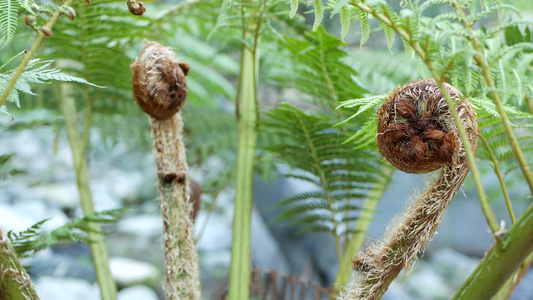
[{"x": 41, "y": 182}]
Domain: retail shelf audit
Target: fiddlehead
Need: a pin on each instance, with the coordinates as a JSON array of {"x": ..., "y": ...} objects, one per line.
[{"x": 416, "y": 134}]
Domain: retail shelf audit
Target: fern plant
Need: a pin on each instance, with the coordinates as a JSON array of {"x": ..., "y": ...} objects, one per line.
[{"x": 448, "y": 47}]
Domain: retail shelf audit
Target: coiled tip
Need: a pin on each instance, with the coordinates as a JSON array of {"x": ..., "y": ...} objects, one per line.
[
  {"x": 416, "y": 132},
  {"x": 159, "y": 86}
]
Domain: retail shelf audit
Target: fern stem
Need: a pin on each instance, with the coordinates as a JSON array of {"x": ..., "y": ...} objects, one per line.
[
  {"x": 500, "y": 178},
  {"x": 480, "y": 59},
  {"x": 247, "y": 115},
  {"x": 36, "y": 43},
  {"x": 108, "y": 289},
  {"x": 15, "y": 283},
  {"x": 363, "y": 222},
  {"x": 476, "y": 175},
  {"x": 529, "y": 105},
  {"x": 239, "y": 280},
  {"x": 501, "y": 262},
  {"x": 181, "y": 259}
]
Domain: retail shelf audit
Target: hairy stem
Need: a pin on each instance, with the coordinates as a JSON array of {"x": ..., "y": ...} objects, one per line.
[
  {"x": 181, "y": 258},
  {"x": 15, "y": 283},
  {"x": 36, "y": 43},
  {"x": 108, "y": 289}
]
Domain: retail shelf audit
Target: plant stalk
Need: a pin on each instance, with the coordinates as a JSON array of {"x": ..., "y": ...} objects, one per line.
[
  {"x": 108, "y": 289},
  {"x": 181, "y": 259},
  {"x": 502, "y": 261},
  {"x": 239, "y": 280},
  {"x": 15, "y": 283}
]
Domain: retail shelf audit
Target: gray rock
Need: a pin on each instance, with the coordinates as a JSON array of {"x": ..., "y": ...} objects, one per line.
[
  {"x": 128, "y": 272},
  {"x": 137, "y": 292},
  {"x": 64, "y": 195},
  {"x": 266, "y": 253},
  {"x": 427, "y": 284},
  {"x": 397, "y": 291},
  {"x": 453, "y": 266},
  {"x": 13, "y": 220},
  {"x": 217, "y": 234},
  {"x": 56, "y": 288},
  {"x": 146, "y": 226}
]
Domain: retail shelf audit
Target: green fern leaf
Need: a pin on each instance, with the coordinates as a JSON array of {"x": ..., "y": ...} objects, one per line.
[
  {"x": 319, "y": 13},
  {"x": 26, "y": 5},
  {"x": 8, "y": 19},
  {"x": 345, "y": 21},
  {"x": 389, "y": 34},
  {"x": 365, "y": 27},
  {"x": 294, "y": 8}
]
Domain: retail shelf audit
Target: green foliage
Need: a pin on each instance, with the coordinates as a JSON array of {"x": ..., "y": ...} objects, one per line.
[
  {"x": 496, "y": 141},
  {"x": 310, "y": 143},
  {"x": 317, "y": 152},
  {"x": 30, "y": 241},
  {"x": 37, "y": 71},
  {"x": 9, "y": 18},
  {"x": 6, "y": 166}
]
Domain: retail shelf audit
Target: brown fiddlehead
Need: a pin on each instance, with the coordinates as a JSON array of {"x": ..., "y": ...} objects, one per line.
[
  {"x": 416, "y": 134},
  {"x": 159, "y": 88}
]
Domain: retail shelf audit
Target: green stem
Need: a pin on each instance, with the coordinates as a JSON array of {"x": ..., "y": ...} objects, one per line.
[
  {"x": 480, "y": 59},
  {"x": 502, "y": 261},
  {"x": 500, "y": 178},
  {"x": 15, "y": 283},
  {"x": 239, "y": 280},
  {"x": 363, "y": 222},
  {"x": 38, "y": 40},
  {"x": 476, "y": 176},
  {"x": 108, "y": 289}
]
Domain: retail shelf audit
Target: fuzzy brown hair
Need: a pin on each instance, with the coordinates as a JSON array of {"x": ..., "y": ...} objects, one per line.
[{"x": 159, "y": 86}]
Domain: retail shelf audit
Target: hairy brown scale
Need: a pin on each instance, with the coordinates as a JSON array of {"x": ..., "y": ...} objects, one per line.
[{"x": 412, "y": 134}]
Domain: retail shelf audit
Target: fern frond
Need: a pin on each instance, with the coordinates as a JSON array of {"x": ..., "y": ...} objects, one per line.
[
  {"x": 319, "y": 13},
  {"x": 319, "y": 155},
  {"x": 294, "y": 8},
  {"x": 365, "y": 27},
  {"x": 8, "y": 19},
  {"x": 30, "y": 241},
  {"x": 37, "y": 71},
  {"x": 345, "y": 21}
]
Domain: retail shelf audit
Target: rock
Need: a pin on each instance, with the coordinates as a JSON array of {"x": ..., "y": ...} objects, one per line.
[
  {"x": 426, "y": 284},
  {"x": 453, "y": 266},
  {"x": 13, "y": 220},
  {"x": 57, "y": 288},
  {"x": 397, "y": 291},
  {"x": 217, "y": 234},
  {"x": 65, "y": 195},
  {"x": 128, "y": 272},
  {"x": 38, "y": 211},
  {"x": 137, "y": 292},
  {"x": 266, "y": 253},
  {"x": 146, "y": 226}
]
